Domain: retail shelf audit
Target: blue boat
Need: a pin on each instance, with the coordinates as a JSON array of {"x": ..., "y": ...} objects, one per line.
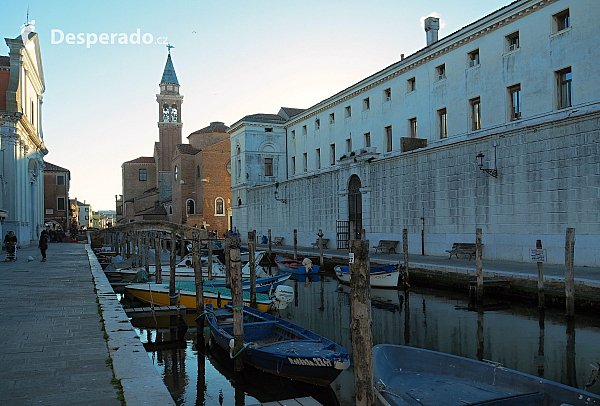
[
  {"x": 415, "y": 377},
  {"x": 280, "y": 347},
  {"x": 294, "y": 266}
]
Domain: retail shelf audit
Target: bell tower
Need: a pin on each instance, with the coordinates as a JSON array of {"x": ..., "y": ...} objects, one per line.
[{"x": 169, "y": 116}]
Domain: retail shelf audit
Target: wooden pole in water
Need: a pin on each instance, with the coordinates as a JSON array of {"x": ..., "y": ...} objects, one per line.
[
  {"x": 569, "y": 275},
  {"x": 172, "y": 297},
  {"x": 147, "y": 252},
  {"x": 270, "y": 254},
  {"x": 478, "y": 265},
  {"x": 227, "y": 261},
  {"x": 157, "y": 253},
  {"x": 295, "y": 244},
  {"x": 199, "y": 292},
  {"x": 405, "y": 251},
  {"x": 237, "y": 300},
  {"x": 128, "y": 244},
  {"x": 251, "y": 254},
  {"x": 139, "y": 248},
  {"x": 540, "y": 267},
  {"x": 321, "y": 260},
  {"x": 361, "y": 323},
  {"x": 210, "y": 255}
]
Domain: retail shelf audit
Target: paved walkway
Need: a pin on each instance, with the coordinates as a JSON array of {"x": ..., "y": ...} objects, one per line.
[
  {"x": 584, "y": 276},
  {"x": 52, "y": 345}
]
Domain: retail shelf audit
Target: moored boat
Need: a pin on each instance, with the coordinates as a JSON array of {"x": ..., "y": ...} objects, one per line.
[
  {"x": 385, "y": 276},
  {"x": 216, "y": 296},
  {"x": 415, "y": 377},
  {"x": 296, "y": 266},
  {"x": 279, "y": 346}
]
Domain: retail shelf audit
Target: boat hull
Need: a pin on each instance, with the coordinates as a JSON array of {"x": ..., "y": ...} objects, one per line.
[
  {"x": 381, "y": 277},
  {"x": 404, "y": 374},
  {"x": 293, "y": 266},
  {"x": 282, "y": 348}
]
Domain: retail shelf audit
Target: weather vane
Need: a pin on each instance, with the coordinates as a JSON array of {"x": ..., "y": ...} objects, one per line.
[{"x": 169, "y": 46}]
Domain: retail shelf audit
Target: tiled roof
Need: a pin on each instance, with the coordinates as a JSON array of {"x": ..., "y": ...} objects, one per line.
[
  {"x": 141, "y": 160},
  {"x": 214, "y": 127},
  {"x": 270, "y": 117},
  {"x": 169, "y": 75},
  {"x": 187, "y": 149},
  {"x": 291, "y": 112},
  {"x": 4, "y": 60},
  {"x": 51, "y": 167}
]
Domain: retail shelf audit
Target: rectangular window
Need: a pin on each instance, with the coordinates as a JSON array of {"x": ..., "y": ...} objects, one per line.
[
  {"x": 367, "y": 139},
  {"x": 331, "y": 118},
  {"x": 268, "y": 166},
  {"x": 305, "y": 162},
  {"x": 348, "y": 111},
  {"x": 512, "y": 41},
  {"x": 60, "y": 204},
  {"x": 348, "y": 144},
  {"x": 412, "y": 127},
  {"x": 411, "y": 85},
  {"x": 239, "y": 168},
  {"x": 332, "y": 154},
  {"x": 564, "y": 88},
  {"x": 475, "y": 114},
  {"x": 60, "y": 179},
  {"x": 317, "y": 124},
  {"x": 268, "y": 129},
  {"x": 366, "y": 104},
  {"x": 515, "y": 102},
  {"x": 441, "y": 72},
  {"x": 387, "y": 95},
  {"x": 143, "y": 175},
  {"x": 293, "y": 165},
  {"x": 388, "y": 138},
  {"x": 293, "y": 134},
  {"x": 318, "y": 159},
  {"x": 562, "y": 21},
  {"x": 443, "y": 123},
  {"x": 473, "y": 58},
  {"x": 304, "y": 130}
]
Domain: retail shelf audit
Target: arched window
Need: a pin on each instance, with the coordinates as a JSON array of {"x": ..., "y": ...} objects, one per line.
[
  {"x": 190, "y": 207},
  {"x": 219, "y": 206},
  {"x": 165, "y": 110},
  {"x": 170, "y": 209},
  {"x": 176, "y": 172},
  {"x": 174, "y": 114}
]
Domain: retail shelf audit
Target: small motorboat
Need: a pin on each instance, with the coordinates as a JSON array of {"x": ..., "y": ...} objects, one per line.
[
  {"x": 296, "y": 266},
  {"x": 158, "y": 294},
  {"x": 280, "y": 347},
  {"x": 415, "y": 377},
  {"x": 385, "y": 276}
]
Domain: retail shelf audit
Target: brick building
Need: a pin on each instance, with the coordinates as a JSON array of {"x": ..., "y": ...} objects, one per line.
[{"x": 56, "y": 197}]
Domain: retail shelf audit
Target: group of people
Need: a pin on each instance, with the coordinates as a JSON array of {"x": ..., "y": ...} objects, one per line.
[{"x": 10, "y": 240}]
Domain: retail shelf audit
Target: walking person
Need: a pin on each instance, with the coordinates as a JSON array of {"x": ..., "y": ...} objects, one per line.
[{"x": 43, "y": 245}]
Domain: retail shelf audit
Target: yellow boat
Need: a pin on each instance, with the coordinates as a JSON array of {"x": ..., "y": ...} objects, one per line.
[{"x": 218, "y": 297}]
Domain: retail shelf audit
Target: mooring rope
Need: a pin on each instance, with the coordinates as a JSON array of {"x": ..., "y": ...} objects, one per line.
[{"x": 240, "y": 351}]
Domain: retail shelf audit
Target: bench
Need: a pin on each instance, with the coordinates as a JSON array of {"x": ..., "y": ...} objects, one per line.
[
  {"x": 277, "y": 241},
  {"x": 388, "y": 245},
  {"x": 324, "y": 242},
  {"x": 465, "y": 248}
]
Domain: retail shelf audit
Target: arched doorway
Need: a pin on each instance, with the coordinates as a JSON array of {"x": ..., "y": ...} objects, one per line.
[{"x": 354, "y": 208}]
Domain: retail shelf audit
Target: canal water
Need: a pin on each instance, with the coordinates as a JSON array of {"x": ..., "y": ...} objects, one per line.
[{"x": 518, "y": 337}]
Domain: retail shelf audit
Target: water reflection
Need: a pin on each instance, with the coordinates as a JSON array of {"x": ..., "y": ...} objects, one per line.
[{"x": 533, "y": 341}]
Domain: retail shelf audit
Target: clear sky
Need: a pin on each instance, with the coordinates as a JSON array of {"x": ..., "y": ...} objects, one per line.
[{"x": 232, "y": 58}]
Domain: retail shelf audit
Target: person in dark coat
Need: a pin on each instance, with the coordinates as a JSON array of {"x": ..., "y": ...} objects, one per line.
[{"x": 43, "y": 245}]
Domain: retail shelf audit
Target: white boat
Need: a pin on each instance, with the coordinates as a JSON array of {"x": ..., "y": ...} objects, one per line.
[{"x": 385, "y": 276}]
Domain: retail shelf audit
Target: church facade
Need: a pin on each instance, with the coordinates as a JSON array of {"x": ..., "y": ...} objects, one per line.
[
  {"x": 22, "y": 147},
  {"x": 184, "y": 183},
  {"x": 495, "y": 126}
]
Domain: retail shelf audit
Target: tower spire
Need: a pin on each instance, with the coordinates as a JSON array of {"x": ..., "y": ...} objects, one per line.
[{"x": 169, "y": 75}]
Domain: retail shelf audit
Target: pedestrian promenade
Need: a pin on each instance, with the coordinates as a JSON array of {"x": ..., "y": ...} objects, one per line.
[
  {"x": 53, "y": 349},
  {"x": 584, "y": 276}
]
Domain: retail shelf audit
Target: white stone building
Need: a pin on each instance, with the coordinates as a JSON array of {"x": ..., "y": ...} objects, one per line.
[
  {"x": 22, "y": 144},
  {"x": 496, "y": 126}
]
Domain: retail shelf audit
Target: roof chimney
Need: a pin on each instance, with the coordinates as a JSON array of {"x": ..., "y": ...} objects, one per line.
[{"x": 432, "y": 25}]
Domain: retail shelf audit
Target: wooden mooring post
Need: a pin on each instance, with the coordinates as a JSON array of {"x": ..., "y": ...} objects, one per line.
[
  {"x": 172, "y": 297},
  {"x": 321, "y": 261},
  {"x": 251, "y": 254},
  {"x": 270, "y": 254},
  {"x": 295, "y": 244},
  {"x": 405, "y": 252},
  {"x": 478, "y": 265},
  {"x": 147, "y": 252},
  {"x": 361, "y": 324},
  {"x": 199, "y": 292},
  {"x": 237, "y": 301},
  {"x": 157, "y": 259},
  {"x": 139, "y": 248},
  {"x": 210, "y": 254},
  {"x": 569, "y": 275},
  {"x": 540, "y": 267}
]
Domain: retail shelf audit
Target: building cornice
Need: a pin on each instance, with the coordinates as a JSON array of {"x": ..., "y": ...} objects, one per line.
[{"x": 460, "y": 38}]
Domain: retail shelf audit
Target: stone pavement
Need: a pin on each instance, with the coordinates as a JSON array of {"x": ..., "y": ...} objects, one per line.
[{"x": 52, "y": 345}]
